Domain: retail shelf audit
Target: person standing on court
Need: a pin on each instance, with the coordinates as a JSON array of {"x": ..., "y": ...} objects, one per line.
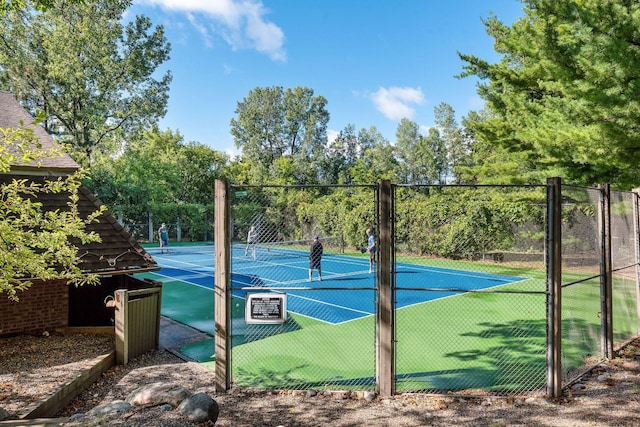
[
  {"x": 371, "y": 247},
  {"x": 252, "y": 236},
  {"x": 163, "y": 235},
  {"x": 315, "y": 257}
]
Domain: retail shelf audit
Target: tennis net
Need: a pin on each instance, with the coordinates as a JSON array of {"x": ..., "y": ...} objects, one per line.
[
  {"x": 194, "y": 248},
  {"x": 266, "y": 251}
]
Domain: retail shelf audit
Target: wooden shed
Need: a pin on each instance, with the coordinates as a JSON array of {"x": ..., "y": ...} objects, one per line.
[{"x": 54, "y": 304}]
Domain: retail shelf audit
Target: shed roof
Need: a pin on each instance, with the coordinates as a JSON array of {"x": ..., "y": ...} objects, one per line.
[
  {"x": 12, "y": 114},
  {"x": 118, "y": 253}
]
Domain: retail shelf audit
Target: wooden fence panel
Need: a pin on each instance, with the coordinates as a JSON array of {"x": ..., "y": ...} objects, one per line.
[{"x": 137, "y": 322}]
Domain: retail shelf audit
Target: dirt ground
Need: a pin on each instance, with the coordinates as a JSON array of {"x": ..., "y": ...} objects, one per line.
[{"x": 30, "y": 366}]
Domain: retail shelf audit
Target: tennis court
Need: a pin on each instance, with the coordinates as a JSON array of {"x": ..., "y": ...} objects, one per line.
[
  {"x": 330, "y": 326},
  {"x": 336, "y": 299}
]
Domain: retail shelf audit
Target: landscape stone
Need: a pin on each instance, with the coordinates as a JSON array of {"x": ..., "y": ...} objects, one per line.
[
  {"x": 117, "y": 406},
  {"x": 157, "y": 394},
  {"x": 200, "y": 408}
]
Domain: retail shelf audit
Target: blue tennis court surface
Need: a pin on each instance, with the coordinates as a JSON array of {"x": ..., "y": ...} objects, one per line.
[{"x": 347, "y": 289}]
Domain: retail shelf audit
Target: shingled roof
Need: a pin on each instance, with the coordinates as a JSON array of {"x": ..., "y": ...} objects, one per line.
[
  {"x": 12, "y": 115},
  {"x": 118, "y": 253}
]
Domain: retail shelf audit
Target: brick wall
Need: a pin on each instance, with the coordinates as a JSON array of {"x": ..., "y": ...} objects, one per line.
[{"x": 44, "y": 306}]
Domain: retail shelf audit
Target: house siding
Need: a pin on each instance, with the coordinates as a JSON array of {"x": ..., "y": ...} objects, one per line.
[{"x": 44, "y": 306}]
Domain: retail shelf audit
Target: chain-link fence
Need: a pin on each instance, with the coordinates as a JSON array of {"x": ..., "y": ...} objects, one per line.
[
  {"x": 477, "y": 318},
  {"x": 185, "y": 223},
  {"x": 624, "y": 246},
  {"x": 581, "y": 258},
  {"x": 328, "y": 338},
  {"x": 472, "y": 292}
]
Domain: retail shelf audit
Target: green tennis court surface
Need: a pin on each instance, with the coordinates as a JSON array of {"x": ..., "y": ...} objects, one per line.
[
  {"x": 328, "y": 320},
  {"x": 344, "y": 294}
]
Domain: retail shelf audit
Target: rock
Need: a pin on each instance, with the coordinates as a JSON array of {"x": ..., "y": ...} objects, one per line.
[
  {"x": 342, "y": 394},
  {"x": 77, "y": 416},
  {"x": 200, "y": 408},
  {"x": 531, "y": 401},
  {"x": 117, "y": 406},
  {"x": 369, "y": 395},
  {"x": 4, "y": 414},
  {"x": 157, "y": 394},
  {"x": 311, "y": 393}
]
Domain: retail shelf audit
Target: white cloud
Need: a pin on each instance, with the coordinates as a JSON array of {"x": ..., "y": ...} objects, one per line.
[
  {"x": 424, "y": 129},
  {"x": 206, "y": 37},
  {"x": 241, "y": 23},
  {"x": 332, "y": 134},
  {"x": 396, "y": 102},
  {"x": 232, "y": 151}
]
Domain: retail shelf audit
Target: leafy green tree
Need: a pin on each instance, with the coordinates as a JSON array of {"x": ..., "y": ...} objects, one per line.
[
  {"x": 8, "y": 5},
  {"x": 35, "y": 243},
  {"x": 491, "y": 163},
  {"x": 407, "y": 140},
  {"x": 199, "y": 166},
  {"x": 564, "y": 95},
  {"x": 434, "y": 157},
  {"x": 342, "y": 153},
  {"x": 421, "y": 159},
  {"x": 378, "y": 160},
  {"x": 158, "y": 169},
  {"x": 94, "y": 77},
  {"x": 457, "y": 153},
  {"x": 272, "y": 123}
]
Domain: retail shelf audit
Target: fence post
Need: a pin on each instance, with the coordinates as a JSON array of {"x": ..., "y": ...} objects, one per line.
[
  {"x": 606, "y": 273},
  {"x": 385, "y": 337},
  {"x": 151, "y": 233},
  {"x": 636, "y": 229},
  {"x": 553, "y": 246},
  {"x": 222, "y": 281},
  {"x": 121, "y": 297}
]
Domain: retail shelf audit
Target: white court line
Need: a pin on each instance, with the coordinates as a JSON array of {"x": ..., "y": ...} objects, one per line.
[
  {"x": 325, "y": 277},
  {"x": 173, "y": 279},
  {"x": 171, "y": 260},
  {"x": 339, "y": 259},
  {"x": 476, "y": 275}
]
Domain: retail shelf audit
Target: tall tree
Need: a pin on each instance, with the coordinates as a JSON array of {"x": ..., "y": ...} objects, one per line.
[
  {"x": 407, "y": 142},
  {"x": 341, "y": 155},
  {"x": 566, "y": 90},
  {"x": 451, "y": 134},
  {"x": 433, "y": 157},
  {"x": 157, "y": 167},
  {"x": 378, "y": 160},
  {"x": 273, "y": 122},
  {"x": 92, "y": 76}
]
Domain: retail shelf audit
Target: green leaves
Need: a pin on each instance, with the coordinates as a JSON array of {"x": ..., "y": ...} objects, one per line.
[
  {"x": 273, "y": 123},
  {"x": 38, "y": 244},
  {"x": 94, "y": 77},
  {"x": 565, "y": 91}
]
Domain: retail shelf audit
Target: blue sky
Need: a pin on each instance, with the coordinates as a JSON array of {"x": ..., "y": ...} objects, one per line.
[{"x": 375, "y": 61}]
